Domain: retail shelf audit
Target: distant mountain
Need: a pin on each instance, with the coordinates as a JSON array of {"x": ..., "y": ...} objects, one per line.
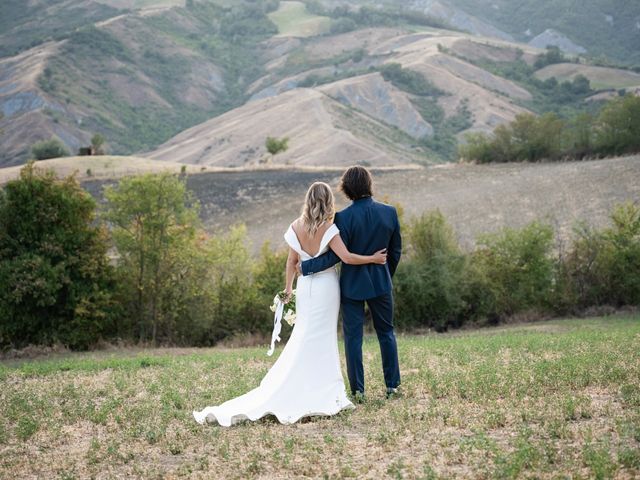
[
  {"x": 137, "y": 76},
  {"x": 602, "y": 27},
  {"x": 206, "y": 81},
  {"x": 363, "y": 118}
]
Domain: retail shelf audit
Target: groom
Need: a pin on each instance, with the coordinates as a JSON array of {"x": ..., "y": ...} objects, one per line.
[{"x": 365, "y": 227}]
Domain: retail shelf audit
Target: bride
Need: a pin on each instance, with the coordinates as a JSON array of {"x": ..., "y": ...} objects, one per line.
[{"x": 306, "y": 379}]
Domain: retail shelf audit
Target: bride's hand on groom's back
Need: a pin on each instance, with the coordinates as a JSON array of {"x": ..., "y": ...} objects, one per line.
[{"x": 380, "y": 257}]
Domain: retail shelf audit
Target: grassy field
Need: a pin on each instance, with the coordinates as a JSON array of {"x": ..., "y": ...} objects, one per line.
[
  {"x": 293, "y": 20},
  {"x": 547, "y": 400},
  {"x": 103, "y": 167}
]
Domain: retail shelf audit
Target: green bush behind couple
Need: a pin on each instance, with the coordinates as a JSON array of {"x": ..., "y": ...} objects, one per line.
[{"x": 158, "y": 277}]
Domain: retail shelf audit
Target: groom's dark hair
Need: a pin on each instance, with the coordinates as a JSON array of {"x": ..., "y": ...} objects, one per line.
[{"x": 356, "y": 183}]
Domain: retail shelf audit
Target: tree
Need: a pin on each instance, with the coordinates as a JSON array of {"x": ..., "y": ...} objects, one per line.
[
  {"x": 580, "y": 134},
  {"x": 618, "y": 126},
  {"x": 551, "y": 56},
  {"x": 581, "y": 85},
  {"x": 342, "y": 25},
  {"x": 154, "y": 229},
  {"x": 275, "y": 145},
  {"x": 52, "y": 148},
  {"x": 55, "y": 280},
  {"x": 97, "y": 142}
]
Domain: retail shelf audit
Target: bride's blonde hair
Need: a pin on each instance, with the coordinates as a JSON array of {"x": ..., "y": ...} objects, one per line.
[{"x": 318, "y": 207}]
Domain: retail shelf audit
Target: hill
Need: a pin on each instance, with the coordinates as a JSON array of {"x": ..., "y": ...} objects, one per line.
[
  {"x": 142, "y": 72},
  {"x": 475, "y": 198},
  {"x": 138, "y": 76},
  {"x": 600, "y": 27},
  {"x": 293, "y": 19},
  {"x": 101, "y": 167},
  {"x": 600, "y": 77},
  {"x": 378, "y": 119}
]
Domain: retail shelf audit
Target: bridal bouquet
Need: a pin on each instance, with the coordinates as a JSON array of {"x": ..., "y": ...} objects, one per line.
[
  {"x": 289, "y": 308},
  {"x": 282, "y": 310}
]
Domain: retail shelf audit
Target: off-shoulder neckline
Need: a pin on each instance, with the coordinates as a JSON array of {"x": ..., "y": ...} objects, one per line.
[{"x": 323, "y": 242}]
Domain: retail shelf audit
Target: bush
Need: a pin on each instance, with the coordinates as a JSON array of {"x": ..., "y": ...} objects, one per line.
[
  {"x": 603, "y": 267},
  {"x": 429, "y": 284},
  {"x": 551, "y": 56},
  {"x": 409, "y": 80},
  {"x": 97, "y": 142},
  {"x": 275, "y": 145},
  {"x": 235, "y": 305},
  {"x": 477, "y": 147},
  {"x": 584, "y": 274},
  {"x": 618, "y": 126},
  {"x": 342, "y": 25},
  {"x": 56, "y": 284},
  {"x": 52, "y": 148},
  {"x": 513, "y": 271}
]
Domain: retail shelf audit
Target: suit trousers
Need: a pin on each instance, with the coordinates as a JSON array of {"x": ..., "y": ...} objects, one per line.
[{"x": 353, "y": 316}]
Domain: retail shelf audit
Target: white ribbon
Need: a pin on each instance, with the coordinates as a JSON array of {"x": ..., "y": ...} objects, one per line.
[{"x": 277, "y": 326}]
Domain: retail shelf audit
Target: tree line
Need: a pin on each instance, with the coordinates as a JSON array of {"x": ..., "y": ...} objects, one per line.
[
  {"x": 615, "y": 130},
  {"x": 142, "y": 269}
]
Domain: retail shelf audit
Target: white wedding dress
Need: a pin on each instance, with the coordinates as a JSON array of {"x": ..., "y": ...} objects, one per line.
[{"x": 306, "y": 379}]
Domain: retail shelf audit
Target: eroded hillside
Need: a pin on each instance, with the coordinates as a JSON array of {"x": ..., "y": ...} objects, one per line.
[{"x": 206, "y": 81}]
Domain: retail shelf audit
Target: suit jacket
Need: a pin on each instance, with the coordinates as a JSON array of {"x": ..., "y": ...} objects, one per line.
[{"x": 366, "y": 226}]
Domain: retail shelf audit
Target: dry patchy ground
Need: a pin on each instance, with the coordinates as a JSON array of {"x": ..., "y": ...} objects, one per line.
[
  {"x": 476, "y": 199},
  {"x": 549, "y": 400}
]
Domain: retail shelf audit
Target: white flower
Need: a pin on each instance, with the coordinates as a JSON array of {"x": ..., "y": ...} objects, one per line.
[
  {"x": 273, "y": 308},
  {"x": 290, "y": 317}
]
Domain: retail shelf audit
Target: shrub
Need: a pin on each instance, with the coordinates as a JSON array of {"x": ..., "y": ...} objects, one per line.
[
  {"x": 55, "y": 280},
  {"x": 477, "y": 147},
  {"x": 342, "y": 25},
  {"x": 275, "y": 145},
  {"x": 429, "y": 284},
  {"x": 618, "y": 126},
  {"x": 552, "y": 55},
  {"x": 97, "y": 142},
  {"x": 235, "y": 304},
  {"x": 409, "y": 80},
  {"x": 513, "y": 271},
  {"x": 603, "y": 267},
  {"x": 624, "y": 237},
  {"x": 52, "y": 148},
  {"x": 584, "y": 274}
]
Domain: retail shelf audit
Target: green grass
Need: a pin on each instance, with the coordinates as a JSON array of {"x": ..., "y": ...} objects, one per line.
[
  {"x": 545, "y": 400},
  {"x": 293, "y": 19}
]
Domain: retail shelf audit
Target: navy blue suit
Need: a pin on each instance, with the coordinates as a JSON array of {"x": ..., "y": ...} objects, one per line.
[{"x": 366, "y": 226}]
